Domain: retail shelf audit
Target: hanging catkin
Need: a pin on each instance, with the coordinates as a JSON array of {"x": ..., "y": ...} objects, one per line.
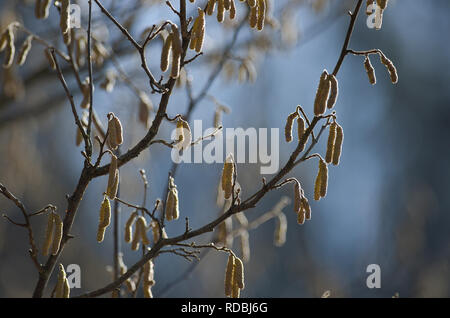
[
  {"x": 320, "y": 102},
  {"x": 245, "y": 246},
  {"x": 48, "y": 235},
  {"x": 251, "y": 3},
  {"x": 211, "y": 6},
  {"x": 176, "y": 52},
  {"x": 324, "y": 178},
  {"x": 66, "y": 289},
  {"x": 317, "y": 184},
  {"x": 253, "y": 16},
  {"x": 331, "y": 142},
  {"x": 288, "y": 127},
  {"x": 129, "y": 226},
  {"x": 261, "y": 14},
  {"x": 165, "y": 53},
  {"x": 297, "y": 196},
  {"x": 334, "y": 91},
  {"x": 232, "y": 10},
  {"x": 227, "y": 176},
  {"x": 229, "y": 275},
  {"x": 136, "y": 238},
  {"x": 113, "y": 178},
  {"x": 59, "y": 289},
  {"x": 301, "y": 217},
  {"x": 338, "y": 145},
  {"x": 65, "y": 16},
  {"x": 370, "y": 71},
  {"x": 239, "y": 273},
  {"x": 24, "y": 50},
  {"x": 391, "y": 68},
  {"x": 10, "y": 48},
  {"x": 142, "y": 224},
  {"x": 172, "y": 210},
  {"x": 220, "y": 10},
  {"x": 115, "y": 132},
  {"x": 44, "y": 8},
  {"x": 306, "y": 207},
  {"x": 104, "y": 219},
  {"x": 57, "y": 236}
]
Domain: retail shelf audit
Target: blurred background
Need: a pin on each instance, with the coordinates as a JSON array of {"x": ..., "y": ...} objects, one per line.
[{"x": 387, "y": 201}]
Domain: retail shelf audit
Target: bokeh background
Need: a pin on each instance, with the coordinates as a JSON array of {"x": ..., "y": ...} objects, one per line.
[{"x": 387, "y": 201}]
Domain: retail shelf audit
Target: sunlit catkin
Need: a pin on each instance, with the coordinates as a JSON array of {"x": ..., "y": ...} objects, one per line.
[
  {"x": 136, "y": 238},
  {"x": 220, "y": 10},
  {"x": 239, "y": 273},
  {"x": 24, "y": 50},
  {"x": 280, "y": 230},
  {"x": 65, "y": 16},
  {"x": 297, "y": 196},
  {"x": 331, "y": 142},
  {"x": 115, "y": 132},
  {"x": 251, "y": 3},
  {"x": 317, "y": 184},
  {"x": 253, "y": 16},
  {"x": 301, "y": 217},
  {"x": 172, "y": 209},
  {"x": 59, "y": 289},
  {"x": 57, "y": 236},
  {"x": 320, "y": 102},
  {"x": 370, "y": 71},
  {"x": 10, "y": 48},
  {"x": 48, "y": 235},
  {"x": 261, "y": 14},
  {"x": 176, "y": 52},
  {"x": 129, "y": 226},
  {"x": 113, "y": 178},
  {"x": 338, "y": 145},
  {"x": 232, "y": 10},
  {"x": 334, "y": 91},
  {"x": 142, "y": 224},
  {"x": 211, "y": 6},
  {"x": 324, "y": 178},
  {"x": 300, "y": 132},
  {"x": 66, "y": 289},
  {"x": 227, "y": 176},
  {"x": 391, "y": 68},
  {"x": 369, "y": 7},
  {"x": 104, "y": 219},
  {"x": 306, "y": 208},
  {"x": 44, "y": 8},
  {"x": 229, "y": 275},
  {"x": 288, "y": 126},
  {"x": 165, "y": 53},
  {"x": 200, "y": 31}
]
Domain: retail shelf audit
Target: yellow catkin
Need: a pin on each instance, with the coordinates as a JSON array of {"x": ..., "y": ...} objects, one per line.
[
  {"x": 301, "y": 217},
  {"x": 176, "y": 52},
  {"x": 119, "y": 130},
  {"x": 45, "y": 8},
  {"x": 112, "y": 177},
  {"x": 59, "y": 289},
  {"x": 227, "y": 176},
  {"x": 194, "y": 34},
  {"x": 300, "y": 132},
  {"x": 104, "y": 219},
  {"x": 211, "y": 6},
  {"x": 280, "y": 230},
  {"x": 48, "y": 235},
  {"x": 64, "y": 23},
  {"x": 297, "y": 196},
  {"x": 50, "y": 59},
  {"x": 10, "y": 48},
  {"x": 306, "y": 208},
  {"x": 253, "y": 16},
  {"x": 115, "y": 131},
  {"x": 235, "y": 292},
  {"x": 220, "y": 10},
  {"x": 200, "y": 32},
  {"x": 229, "y": 275},
  {"x": 142, "y": 224},
  {"x": 232, "y": 10},
  {"x": 324, "y": 178},
  {"x": 129, "y": 226},
  {"x": 391, "y": 68},
  {"x": 148, "y": 274},
  {"x": 57, "y": 236},
  {"x": 172, "y": 209},
  {"x": 165, "y": 53},
  {"x": 136, "y": 238},
  {"x": 261, "y": 14},
  {"x": 251, "y": 3},
  {"x": 66, "y": 289},
  {"x": 288, "y": 127},
  {"x": 334, "y": 91},
  {"x": 370, "y": 71},
  {"x": 239, "y": 273},
  {"x": 338, "y": 145},
  {"x": 331, "y": 142},
  {"x": 317, "y": 184},
  {"x": 320, "y": 102},
  {"x": 24, "y": 50}
]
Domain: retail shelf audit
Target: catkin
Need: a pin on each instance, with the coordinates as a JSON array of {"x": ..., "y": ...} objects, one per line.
[
  {"x": 113, "y": 178},
  {"x": 104, "y": 219},
  {"x": 334, "y": 91},
  {"x": 57, "y": 236},
  {"x": 211, "y": 6},
  {"x": 338, "y": 145},
  {"x": 331, "y": 142},
  {"x": 324, "y": 178},
  {"x": 10, "y": 48},
  {"x": 300, "y": 132},
  {"x": 115, "y": 131},
  {"x": 183, "y": 134},
  {"x": 220, "y": 10},
  {"x": 200, "y": 32},
  {"x": 80, "y": 48},
  {"x": 317, "y": 184},
  {"x": 239, "y": 273},
  {"x": 391, "y": 68},
  {"x": 280, "y": 230},
  {"x": 229, "y": 275},
  {"x": 66, "y": 289},
  {"x": 129, "y": 225},
  {"x": 253, "y": 17},
  {"x": 44, "y": 8},
  {"x": 59, "y": 289},
  {"x": 261, "y": 14},
  {"x": 24, "y": 50},
  {"x": 227, "y": 176},
  {"x": 370, "y": 71},
  {"x": 251, "y": 3},
  {"x": 136, "y": 238},
  {"x": 245, "y": 246},
  {"x": 306, "y": 208},
  {"x": 65, "y": 16},
  {"x": 301, "y": 217},
  {"x": 176, "y": 52},
  {"x": 85, "y": 89},
  {"x": 165, "y": 53},
  {"x": 232, "y": 10},
  {"x": 288, "y": 127},
  {"x": 320, "y": 102},
  {"x": 48, "y": 235},
  {"x": 297, "y": 196},
  {"x": 172, "y": 210},
  {"x": 145, "y": 106},
  {"x": 142, "y": 224}
]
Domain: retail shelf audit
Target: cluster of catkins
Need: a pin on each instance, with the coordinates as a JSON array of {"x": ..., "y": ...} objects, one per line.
[{"x": 386, "y": 62}]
